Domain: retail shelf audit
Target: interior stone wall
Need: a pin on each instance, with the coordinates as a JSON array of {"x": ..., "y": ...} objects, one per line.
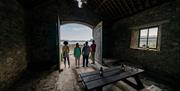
[
  {"x": 12, "y": 43},
  {"x": 164, "y": 64}
]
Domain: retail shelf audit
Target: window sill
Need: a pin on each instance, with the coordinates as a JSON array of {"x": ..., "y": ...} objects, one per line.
[{"x": 146, "y": 49}]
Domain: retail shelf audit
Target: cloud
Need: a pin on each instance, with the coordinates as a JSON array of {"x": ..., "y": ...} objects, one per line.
[
  {"x": 75, "y": 32},
  {"x": 77, "y": 29}
]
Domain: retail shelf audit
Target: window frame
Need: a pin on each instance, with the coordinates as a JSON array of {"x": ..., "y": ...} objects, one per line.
[{"x": 139, "y": 37}]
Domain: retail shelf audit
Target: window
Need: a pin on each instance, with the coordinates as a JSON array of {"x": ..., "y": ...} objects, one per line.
[{"x": 148, "y": 37}]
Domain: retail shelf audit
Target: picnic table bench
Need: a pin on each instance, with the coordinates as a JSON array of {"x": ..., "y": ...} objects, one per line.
[{"x": 93, "y": 80}]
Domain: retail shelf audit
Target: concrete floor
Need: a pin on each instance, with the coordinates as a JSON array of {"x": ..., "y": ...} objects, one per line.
[
  {"x": 69, "y": 77},
  {"x": 67, "y": 80},
  {"x": 52, "y": 80}
]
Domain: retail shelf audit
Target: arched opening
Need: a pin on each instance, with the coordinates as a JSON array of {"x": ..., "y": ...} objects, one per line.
[
  {"x": 77, "y": 22},
  {"x": 74, "y": 32}
]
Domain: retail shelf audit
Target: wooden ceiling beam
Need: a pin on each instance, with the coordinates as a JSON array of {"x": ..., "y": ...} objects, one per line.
[
  {"x": 133, "y": 5},
  {"x": 116, "y": 6},
  {"x": 100, "y": 11},
  {"x": 105, "y": 10},
  {"x": 106, "y": 7},
  {"x": 140, "y": 4},
  {"x": 91, "y": 4},
  {"x": 122, "y": 7},
  {"x": 101, "y": 4},
  {"x": 96, "y": 4},
  {"x": 115, "y": 13},
  {"x": 127, "y": 6}
]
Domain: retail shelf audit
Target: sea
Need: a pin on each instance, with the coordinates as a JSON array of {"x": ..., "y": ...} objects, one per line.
[{"x": 74, "y": 42}]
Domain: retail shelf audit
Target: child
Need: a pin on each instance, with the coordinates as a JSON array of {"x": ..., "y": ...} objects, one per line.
[{"x": 77, "y": 54}]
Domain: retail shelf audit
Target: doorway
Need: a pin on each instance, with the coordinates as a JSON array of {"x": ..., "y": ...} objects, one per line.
[{"x": 74, "y": 33}]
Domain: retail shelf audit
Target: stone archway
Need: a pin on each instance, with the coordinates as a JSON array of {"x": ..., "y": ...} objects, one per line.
[
  {"x": 64, "y": 23},
  {"x": 96, "y": 34},
  {"x": 77, "y": 22}
]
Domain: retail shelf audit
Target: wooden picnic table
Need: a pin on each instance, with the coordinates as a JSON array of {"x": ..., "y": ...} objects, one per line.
[{"x": 93, "y": 80}]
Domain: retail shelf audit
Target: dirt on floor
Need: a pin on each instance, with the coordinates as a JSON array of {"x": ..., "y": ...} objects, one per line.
[
  {"x": 52, "y": 80},
  {"x": 68, "y": 80}
]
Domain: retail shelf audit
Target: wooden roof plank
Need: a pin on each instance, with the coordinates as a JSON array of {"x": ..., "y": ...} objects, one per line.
[
  {"x": 115, "y": 4},
  {"x": 104, "y": 9},
  {"x": 113, "y": 8},
  {"x": 133, "y": 5},
  {"x": 121, "y": 6},
  {"x": 140, "y": 5},
  {"x": 108, "y": 9},
  {"x": 101, "y": 4},
  {"x": 127, "y": 6},
  {"x": 101, "y": 10}
]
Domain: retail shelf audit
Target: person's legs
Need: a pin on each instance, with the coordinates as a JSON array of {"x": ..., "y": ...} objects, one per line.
[
  {"x": 84, "y": 58},
  {"x": 64, "y": 61},
  {"x": 68, "y": 61},
  {"x": 78, "y": 61},
  {"x": 93, "y": 57},
  {"x": 87, "y": 57}
]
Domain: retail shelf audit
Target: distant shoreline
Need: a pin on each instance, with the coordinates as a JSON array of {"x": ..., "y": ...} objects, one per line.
[{"x": 74, "y": 42}]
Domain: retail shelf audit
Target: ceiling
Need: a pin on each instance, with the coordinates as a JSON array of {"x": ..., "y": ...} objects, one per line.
[
  {"x": 111, "y": 9},
  {"x": 122, "y": 8}
]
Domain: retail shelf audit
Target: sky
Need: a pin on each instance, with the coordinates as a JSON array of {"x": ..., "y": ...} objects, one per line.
[
  {"x": 152, "y": 32},
  {"x": 73, "y": 31}
]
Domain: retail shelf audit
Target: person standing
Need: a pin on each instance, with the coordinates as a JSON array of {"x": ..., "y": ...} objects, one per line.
[
  {"x": 77, "y": 54},
  {"x": 65, "y": 51},
  {"x": 85, "y": 53},
  {"x": 93, "y": 50}
]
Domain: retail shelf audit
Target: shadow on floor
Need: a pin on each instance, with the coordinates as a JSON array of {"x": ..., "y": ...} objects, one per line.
[{"x": 33, "y": 80}]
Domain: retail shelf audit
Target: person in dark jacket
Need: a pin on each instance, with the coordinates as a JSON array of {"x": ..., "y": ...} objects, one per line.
[{"x": 85, "y": 53}]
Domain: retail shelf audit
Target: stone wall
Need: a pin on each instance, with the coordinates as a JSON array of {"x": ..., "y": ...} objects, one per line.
[
  {"x": 12, "y": 42},
  {"x": 164, "y": 64}
]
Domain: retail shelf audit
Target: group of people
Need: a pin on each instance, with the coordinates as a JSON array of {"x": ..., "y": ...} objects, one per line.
[{"x": 85, "y": 52}]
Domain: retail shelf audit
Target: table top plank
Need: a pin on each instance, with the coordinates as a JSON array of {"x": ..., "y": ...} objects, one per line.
[
  {"x": 97, "y": 72},
  {"x": 97, "y": 76},
  {"x": 111, "y": 79},
  {"x": 110, "y": 75}
]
